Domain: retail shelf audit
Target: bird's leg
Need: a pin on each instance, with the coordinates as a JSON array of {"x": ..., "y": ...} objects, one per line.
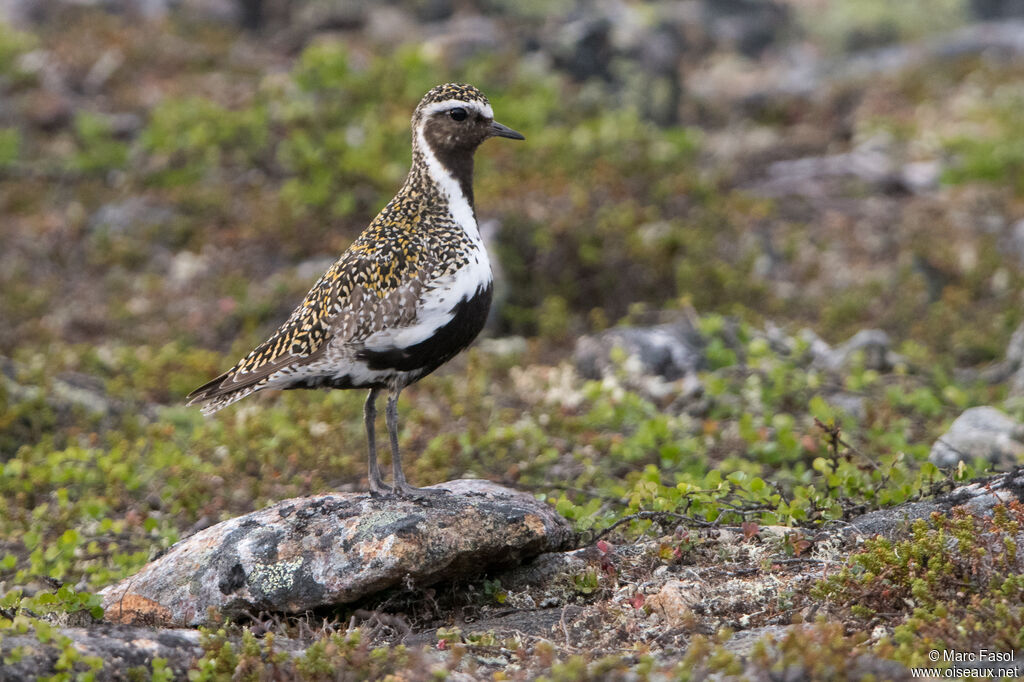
[
  {"x": 377, "y": 486},
  {"x": 400, "y": 485}
]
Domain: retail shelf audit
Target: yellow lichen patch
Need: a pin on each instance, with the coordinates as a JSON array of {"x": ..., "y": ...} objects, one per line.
[
  {"x": 534, "y": 523},
  {"x": 136, "y": 609},
  {"x": 274, "y": 577}
]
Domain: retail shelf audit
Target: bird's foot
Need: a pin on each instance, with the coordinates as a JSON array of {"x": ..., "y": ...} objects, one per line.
[
  {"x": 379, "y": 489},
  {"x": 406, "y": 491}
]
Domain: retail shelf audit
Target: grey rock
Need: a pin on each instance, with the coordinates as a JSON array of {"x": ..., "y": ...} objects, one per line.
[
  {"x": 921, "y": 176},
  {"x": 742, "y": 643},
  {"x": 801, "y": 73},
  {"x": 870, "y": 162},
  {"x": 124, "y": 650},
  {"x": 988, "y": 10},
  {"x": 504, "y": 347},
  {"x": 1015, "y": 241},
  {"x": 1015, "y": 348},
  {"x": 850, "y": 403},
  {"x": 311, "y": 268},
  {"x": 490, "y": 232},
  {"x": 871, "y": 344},
  {"x": 336, "y": 548},
  {"x": 583, "y": 48},
  {"x": 817, "y": 348},
  {"x": 322, "y": 15},
  {"x": 102, "y": 70},
  {"x": 65, "y": 394},
  {"x": 978, "y": 496},
  {"x": 120, "y": 648},
  {"x": 1010, "y": 368},
  {"x": 389, "y": 25},
  {"x": 125, "y": 125},
  {"x": 131, "y": 214},
  {"x": 980, "y": 433},
  {"x": 670, "y": 351},
  {"x": 991, "y": 38},
  {"x": 1016, "y": 383},
  {"x": 186, "y": 266},
  {"x": 464, "y": 36},
  {"x": 547, "y": 568},
  {"x": 747, "y": 26}
]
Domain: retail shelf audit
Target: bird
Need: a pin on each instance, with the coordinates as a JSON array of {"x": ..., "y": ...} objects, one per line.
[{"x": 410, "y": 293}]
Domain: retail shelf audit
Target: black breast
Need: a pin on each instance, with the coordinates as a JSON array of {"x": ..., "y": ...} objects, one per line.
[{"x": 469, "y": 317}]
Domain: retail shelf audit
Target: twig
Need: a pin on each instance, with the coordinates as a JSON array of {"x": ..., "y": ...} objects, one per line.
[
  {"x": 377, "y": 618},
  {"x": 569, "y": 489},
  {"x": 565, "y": 628},
  {"x": 835, "y": 439},
  {"x": 653, "y": 516}
]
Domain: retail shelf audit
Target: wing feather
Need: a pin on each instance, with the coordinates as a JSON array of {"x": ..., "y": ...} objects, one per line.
[{"x": 370, "y": 288}]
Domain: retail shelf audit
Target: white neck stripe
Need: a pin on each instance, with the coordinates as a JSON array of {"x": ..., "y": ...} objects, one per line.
[{"x": 461, "y": 211}]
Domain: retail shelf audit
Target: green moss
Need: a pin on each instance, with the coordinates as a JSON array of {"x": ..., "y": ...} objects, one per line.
[
  {"x": 954, "y": 583},
  {"x": 98, "y": 148},
  {"x": 852, "y": 24},
  {"x": 329, "y": 657},
  {"x": 10, "y": 146},
  {"x": 995, "y": 155},
  {"x": 13, "y": 44}
]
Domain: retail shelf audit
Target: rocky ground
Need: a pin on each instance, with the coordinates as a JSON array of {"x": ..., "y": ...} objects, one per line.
[
  {"x": 752, "y": 389},
  {"x": 749, "y": 594}
]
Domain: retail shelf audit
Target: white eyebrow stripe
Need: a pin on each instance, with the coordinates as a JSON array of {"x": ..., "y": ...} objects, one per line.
[{"x": 484, "y": 109}]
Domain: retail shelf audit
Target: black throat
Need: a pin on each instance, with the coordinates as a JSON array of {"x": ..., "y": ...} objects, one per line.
[{"x": 458, "y": 161}]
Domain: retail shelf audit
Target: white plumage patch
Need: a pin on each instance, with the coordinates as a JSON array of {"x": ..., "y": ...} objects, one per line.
[
  {"x": 440, "y": 297},
  {"x": 459, "y": 207},
  {"x": 435, "y": 305},
  {"x": 485, "y": 109}
]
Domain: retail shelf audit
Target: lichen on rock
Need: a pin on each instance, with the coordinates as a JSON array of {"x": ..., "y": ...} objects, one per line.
[{"x": 336, "y": 548}]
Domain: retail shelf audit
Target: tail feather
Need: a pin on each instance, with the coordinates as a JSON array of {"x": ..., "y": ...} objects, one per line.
[
  {"x": 236, "y": 384},
  {"x": 221, "y": 392}
]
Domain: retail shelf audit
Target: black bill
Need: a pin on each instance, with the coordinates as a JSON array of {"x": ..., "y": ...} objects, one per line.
[{"x": 499, "y": 130}]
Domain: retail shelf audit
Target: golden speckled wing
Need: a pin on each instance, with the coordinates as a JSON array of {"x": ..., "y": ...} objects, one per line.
[{"x": 374, "y": 285}]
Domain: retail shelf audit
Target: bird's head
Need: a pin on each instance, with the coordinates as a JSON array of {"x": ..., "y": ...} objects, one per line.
[{"x": 454, "y": 119}]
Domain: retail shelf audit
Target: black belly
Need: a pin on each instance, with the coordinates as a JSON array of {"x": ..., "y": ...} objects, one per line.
[{"x": 470, "y": 314}]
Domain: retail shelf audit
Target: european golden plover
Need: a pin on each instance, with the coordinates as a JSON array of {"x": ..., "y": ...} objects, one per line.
[{"x": 408, "y": 295}]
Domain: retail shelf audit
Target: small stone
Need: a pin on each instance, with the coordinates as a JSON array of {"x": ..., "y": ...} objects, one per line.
[
  {"x": 675, "y": 602},
  {"x": 873, "y": 345},
  {"x": 850, "y": 403},
  {"x": 1015, "y": 348},
  {"x": 670, "y": 351},
  {"x": 1016, "y": 383},
  {"x": 186, "y": 266},
  {"x": 817, "y": 348},
  {"x": 48, "y": 110},
  {"x": 128, "y": 216},
  {"x": 102, "y": 70},
  {"x": 504, "y": 347},
  {"x": 980, "y": 433},
  {"x": 921, "y": 176},
  {"x": 462, "y": 37}
]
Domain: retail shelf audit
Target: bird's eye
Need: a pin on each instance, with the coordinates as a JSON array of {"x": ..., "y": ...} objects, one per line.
[{"x": 457, "y": 114}]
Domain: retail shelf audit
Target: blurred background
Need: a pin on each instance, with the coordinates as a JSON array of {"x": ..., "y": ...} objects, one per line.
[
  {"x": 182, "y": 171},
  {"x": 780, "y": 174}
]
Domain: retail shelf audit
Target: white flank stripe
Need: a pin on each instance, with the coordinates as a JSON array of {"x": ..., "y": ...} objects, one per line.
[
  {"x": 460, "y": 209},
  {"x": 438, "y": 301}
]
